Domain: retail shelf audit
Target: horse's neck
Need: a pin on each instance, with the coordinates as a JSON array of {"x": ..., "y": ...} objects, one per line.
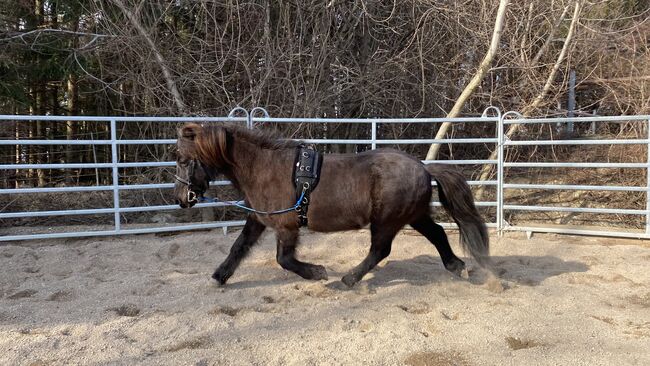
[{"x": 256, "y": 167}]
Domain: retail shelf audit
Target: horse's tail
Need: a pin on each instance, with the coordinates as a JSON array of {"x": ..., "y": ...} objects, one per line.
[{"x": 457, "y": 199}]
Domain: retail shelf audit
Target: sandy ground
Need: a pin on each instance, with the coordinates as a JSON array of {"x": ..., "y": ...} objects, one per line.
[{"x": 560, "y": 300}]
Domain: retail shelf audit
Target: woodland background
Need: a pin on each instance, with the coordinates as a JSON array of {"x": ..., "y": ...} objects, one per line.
[{"x": 308, "y": 58}]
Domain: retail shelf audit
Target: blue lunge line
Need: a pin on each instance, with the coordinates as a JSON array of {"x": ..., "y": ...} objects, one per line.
[{"x": 293, "y": 208}]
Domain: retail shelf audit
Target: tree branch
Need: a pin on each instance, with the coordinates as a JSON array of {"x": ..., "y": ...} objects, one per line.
[{"x": 171, "y": 85}]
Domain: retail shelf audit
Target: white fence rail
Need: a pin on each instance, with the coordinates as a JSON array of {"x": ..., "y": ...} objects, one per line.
[{"x": 499, "y": 142}]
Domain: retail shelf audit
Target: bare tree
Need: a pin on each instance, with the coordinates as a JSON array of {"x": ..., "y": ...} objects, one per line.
[
  {"x": 488, "y": 168},
  {"x": 476, "y": 79}
]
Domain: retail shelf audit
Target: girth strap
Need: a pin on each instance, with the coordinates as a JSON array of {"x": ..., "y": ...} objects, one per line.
[{"x": 305, "y": 177}]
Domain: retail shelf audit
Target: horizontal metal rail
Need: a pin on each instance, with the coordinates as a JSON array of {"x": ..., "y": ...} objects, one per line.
[
  {"x": 155, "y": 164},
  {"x": 11, "y": 117},
  {"x": 374, "y": 120},
  {"x": 150, "y": 230},
  {"x": 122, "y": 187},
  {"x": 576, "y": 165},
  {"x": 477, "y": 204},
  {"x": 89, "y": 211},
  {"x": 575, "y": 187},
  {"x": 575, "y": 142},
  {"x": 474, "y": 182},
  {"x": 572, "y": 231},
  {"x": 54, "y": 142},
  {"x": 620, "y": 211},
  {"x": 519, "y": 121},
  {"x": 460, "y": 162},
  {"x": 174, "y": 207},
  {"x": 400, "y": 141},
  {"x": 100, "y": 211}
]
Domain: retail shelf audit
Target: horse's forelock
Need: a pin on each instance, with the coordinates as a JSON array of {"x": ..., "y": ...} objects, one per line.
[{"x": 212, "y": 147}]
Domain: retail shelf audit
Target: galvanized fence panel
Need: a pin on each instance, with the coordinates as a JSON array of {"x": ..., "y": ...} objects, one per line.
[
  {"x": 607, "y": 232},
  {"x": 500, "y": 142}
]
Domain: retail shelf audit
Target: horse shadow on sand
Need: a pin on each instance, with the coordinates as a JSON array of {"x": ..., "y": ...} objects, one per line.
[
  {"x": 427, "y": 269},
  {"x": 521, "y": 270}
]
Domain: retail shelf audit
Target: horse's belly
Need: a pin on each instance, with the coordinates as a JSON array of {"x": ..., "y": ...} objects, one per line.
[
  {"x": 334, "y": 226},
  {"x": 329, "y": 219}
]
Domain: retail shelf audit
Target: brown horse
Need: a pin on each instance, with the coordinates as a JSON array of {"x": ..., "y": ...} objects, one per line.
[{"x": 384, "y": 188}]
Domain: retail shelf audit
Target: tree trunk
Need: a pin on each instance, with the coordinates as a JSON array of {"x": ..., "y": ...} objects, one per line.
[
  {"x": 18, "y": 153},
  {"x": 41, "y": 152},
  {"x": 551, "y": 77},
  {"x": 171, "y": 85},
  {"x": 476, "y": 80},
  {"x": 488, "y": 168},
  {"x": 551, "y": 34},
  {"x": 31, "y": 149},
  {"x": 71, "y": 125}
]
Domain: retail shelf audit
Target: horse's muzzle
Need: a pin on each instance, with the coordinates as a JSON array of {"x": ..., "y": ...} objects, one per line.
[{"x": 191, "y": 199}]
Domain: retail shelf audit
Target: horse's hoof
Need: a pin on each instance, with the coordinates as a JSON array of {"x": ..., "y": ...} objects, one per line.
[
  {"x": 319, "y": 273},
  {"x": 456, "y": 267},
  {"x": 349, "y": 280},
  {"x": 220, "y": 278}
]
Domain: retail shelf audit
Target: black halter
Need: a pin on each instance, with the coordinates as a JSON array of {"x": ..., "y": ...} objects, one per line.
[
  {"x": 193, "y": 195},
  {"x": 306, "y": 175}
]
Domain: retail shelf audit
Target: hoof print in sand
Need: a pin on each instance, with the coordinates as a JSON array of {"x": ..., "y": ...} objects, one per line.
[
  {"x": 449, "y": 316},
  {"x": 40, "y": 363},
  {"x": 420, "y": 308},
  {"x": 60, "y": 296},
  {"x": 128, "y": 310},
  {"x": 357, "y": 325},
  {"x": 315, "y": 290},
  {"x": 173, "y": 250},
  {"x": 227, "y": 310},
  {"x": 516, "y": 344},
  {"x": 639, "y": 300},
  {"x": 195, "y": 343},
  {"x": 435, "y": 359},
  {"x": 269, "y": 299},
  {"x": 22, "y": 294}
]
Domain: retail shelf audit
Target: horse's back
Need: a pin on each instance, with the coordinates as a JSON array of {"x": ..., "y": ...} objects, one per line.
[{"x": 374, "y": 185}]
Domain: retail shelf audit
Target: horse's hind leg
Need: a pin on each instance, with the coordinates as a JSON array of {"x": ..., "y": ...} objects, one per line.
[
  {"x": 248, "y": 236},
  {"x": 286, "y": 256},
  {"x": 381, "y": 237},
  {"x": 436, "y": 235}
]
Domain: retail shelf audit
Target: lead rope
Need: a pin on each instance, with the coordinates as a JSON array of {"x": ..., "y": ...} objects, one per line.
[{"x": 250, "y": 209}]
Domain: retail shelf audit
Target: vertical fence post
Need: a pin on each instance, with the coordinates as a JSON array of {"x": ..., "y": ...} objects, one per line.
[
  {"x": 647, "y": 193},
  {"x": 116, "y": 175},
  {"x": 571, "y": 102},
  {"x": 374, "y": 135},
  {"x": 500, "y": 160}
]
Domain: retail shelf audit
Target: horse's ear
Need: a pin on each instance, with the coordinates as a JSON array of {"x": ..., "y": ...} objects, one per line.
[{"x": 190, "y": 131}]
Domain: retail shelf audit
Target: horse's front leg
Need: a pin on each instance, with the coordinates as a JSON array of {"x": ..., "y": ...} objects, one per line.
[
  {"x": 247, "y": 238},
  {"x": 287, "y": 241}
]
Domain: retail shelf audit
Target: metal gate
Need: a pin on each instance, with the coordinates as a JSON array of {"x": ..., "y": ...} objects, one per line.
[{"x": 499, "y": 142}]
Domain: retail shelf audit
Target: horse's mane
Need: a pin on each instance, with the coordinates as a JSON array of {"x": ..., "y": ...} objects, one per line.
[
  {"x": 265, "y": 139},
  {"x": 213, "y": 142}
]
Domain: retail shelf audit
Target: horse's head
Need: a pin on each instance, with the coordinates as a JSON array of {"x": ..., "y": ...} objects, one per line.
[{"x": 192, "y": 175}]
